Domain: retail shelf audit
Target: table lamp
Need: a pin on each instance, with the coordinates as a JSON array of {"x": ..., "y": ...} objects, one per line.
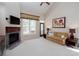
[{"x": 72, "y": 35}]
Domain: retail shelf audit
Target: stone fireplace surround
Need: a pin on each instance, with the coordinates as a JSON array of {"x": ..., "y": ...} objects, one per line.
[{"x": 12, "y": 35}]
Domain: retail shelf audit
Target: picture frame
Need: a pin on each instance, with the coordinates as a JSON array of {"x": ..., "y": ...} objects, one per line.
[{"x": 59, "y": 22}]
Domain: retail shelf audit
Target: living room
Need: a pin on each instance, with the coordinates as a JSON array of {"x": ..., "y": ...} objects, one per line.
[{"x": 48, "y": 13}]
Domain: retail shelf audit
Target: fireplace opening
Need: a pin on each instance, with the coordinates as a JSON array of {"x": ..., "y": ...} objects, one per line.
[{"x": 13, "y": 37}]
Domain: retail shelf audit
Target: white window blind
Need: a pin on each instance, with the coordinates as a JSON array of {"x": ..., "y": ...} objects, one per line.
[{"x": 28, "y": 26}]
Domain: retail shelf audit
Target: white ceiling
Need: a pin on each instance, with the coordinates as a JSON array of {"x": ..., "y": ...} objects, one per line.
[{"x": 35, "y": 8}]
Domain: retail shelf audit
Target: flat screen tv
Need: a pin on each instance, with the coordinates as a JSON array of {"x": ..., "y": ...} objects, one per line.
[{"x": 14, "y": 20}]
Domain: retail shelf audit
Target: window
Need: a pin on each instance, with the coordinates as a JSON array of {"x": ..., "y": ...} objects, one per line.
[{"x": 29, "y": 26}]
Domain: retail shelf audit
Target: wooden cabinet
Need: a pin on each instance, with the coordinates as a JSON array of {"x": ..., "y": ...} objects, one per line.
[{"x": 2, "y": 44}]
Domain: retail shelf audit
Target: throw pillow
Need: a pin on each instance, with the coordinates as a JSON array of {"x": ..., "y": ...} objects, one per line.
[{"x": 62, "y": 36}]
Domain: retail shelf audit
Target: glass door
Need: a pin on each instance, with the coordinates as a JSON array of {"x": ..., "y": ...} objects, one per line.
[{"x": 41, "y": 29}]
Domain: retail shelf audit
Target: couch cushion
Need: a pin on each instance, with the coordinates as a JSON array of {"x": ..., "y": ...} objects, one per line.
[{"x": 59, "y": 34}]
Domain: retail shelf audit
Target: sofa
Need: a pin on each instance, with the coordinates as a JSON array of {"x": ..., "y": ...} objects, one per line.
[{"x": 58, "y": 37}]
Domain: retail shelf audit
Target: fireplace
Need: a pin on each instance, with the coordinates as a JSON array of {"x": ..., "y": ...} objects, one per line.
[{"x": 12, "y": 35}]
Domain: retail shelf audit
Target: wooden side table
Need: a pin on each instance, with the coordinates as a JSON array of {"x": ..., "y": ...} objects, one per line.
[
  {"x": 71, "y": 42},
  {"x": 44, "y": 35},
  {"x": 77, "y": 45}
]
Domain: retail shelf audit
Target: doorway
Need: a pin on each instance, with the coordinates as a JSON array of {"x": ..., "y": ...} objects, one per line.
[{"x": 41, "y": 29}]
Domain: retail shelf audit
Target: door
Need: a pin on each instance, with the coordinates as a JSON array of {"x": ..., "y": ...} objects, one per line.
[{"x": 41, "y": 29}]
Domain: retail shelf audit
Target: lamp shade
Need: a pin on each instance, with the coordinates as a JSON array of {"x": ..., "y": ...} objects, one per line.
[
  {"x": 72, "y": 30},
  {"x": 48, "y": 29}
]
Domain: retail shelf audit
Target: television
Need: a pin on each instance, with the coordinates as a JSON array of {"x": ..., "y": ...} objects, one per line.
[{"x": 14, "y": 20}]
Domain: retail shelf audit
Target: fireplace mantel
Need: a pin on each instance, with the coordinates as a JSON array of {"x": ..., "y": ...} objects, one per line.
[{"x": 12, "y": 29}]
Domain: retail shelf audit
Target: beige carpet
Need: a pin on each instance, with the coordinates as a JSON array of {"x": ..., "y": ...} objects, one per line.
[{"x": 41, "y": 47}]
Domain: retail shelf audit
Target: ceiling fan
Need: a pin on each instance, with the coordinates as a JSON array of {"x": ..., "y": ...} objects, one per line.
[{"x": 44, "y": 2}]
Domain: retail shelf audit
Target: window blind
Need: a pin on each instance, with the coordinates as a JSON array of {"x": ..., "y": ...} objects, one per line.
[{"x": 28, "y": 16}]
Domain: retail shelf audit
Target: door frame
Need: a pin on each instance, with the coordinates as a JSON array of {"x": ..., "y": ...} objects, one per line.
[{"x": 43, "y": 29}]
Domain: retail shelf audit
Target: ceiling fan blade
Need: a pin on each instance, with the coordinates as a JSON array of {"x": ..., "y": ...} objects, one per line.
[
  {"x": 41, "y": 3},
  {"x": 48, "y": 3},
  {"x": 44, "y": 2}
]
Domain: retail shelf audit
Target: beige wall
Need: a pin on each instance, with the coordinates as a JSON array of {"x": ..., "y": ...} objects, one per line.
[
  {"x": 5, "y": 11},
  {"x": 2, "y": 20},
  {"x": 12, "y": 8},
  {"x": 67, "y": 9}
]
